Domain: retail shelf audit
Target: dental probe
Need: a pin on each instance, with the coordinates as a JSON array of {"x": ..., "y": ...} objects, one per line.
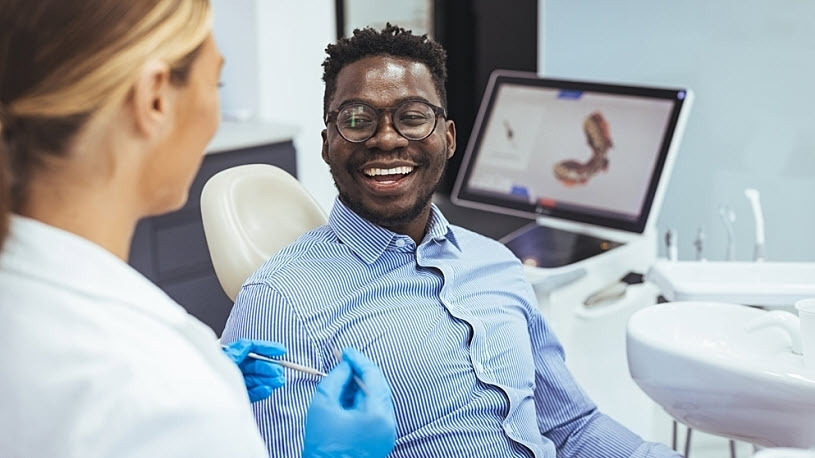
[
  {"x": 360, "y": 383},
  {"x": 283, "y": 363}
]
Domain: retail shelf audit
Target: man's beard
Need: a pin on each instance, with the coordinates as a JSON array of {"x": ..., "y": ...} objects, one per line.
[{"x": 407, "y": 216}]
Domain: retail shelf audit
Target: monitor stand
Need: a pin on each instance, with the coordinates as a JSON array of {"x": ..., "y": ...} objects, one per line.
[{"x": 548, "y": 247}]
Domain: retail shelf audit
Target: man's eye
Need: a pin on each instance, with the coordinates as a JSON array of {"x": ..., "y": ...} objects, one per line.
[
  {"x": 413, "y": 118},
  {"x": 356, "y": 122}
]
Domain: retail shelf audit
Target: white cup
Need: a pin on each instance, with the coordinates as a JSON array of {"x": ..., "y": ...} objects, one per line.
[
  {"x": 806, "y": 315},
  {"x": 784, "y": 453}
]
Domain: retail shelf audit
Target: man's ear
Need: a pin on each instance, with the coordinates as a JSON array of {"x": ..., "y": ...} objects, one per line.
[
  {"x": 150, "y": 101},
  {"x": 324, "y": 134},
  {"x": 450, "y": 133}
]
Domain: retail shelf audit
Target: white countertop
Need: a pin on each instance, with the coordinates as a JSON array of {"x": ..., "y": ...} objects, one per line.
[{"x": 236, "y": 135}]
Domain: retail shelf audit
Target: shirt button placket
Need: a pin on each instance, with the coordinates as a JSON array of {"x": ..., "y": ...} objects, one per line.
[{"x": 477, "y": 355}]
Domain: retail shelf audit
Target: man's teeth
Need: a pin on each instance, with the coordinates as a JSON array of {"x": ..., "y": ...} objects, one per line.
[{"x": 394, "y": 171}]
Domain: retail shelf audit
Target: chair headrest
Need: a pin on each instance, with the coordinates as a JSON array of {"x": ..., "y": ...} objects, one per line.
[{"x": 249, "y": 213}]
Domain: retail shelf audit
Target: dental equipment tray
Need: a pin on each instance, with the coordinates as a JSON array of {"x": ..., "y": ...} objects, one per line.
[{"x": 749, "y": 283}]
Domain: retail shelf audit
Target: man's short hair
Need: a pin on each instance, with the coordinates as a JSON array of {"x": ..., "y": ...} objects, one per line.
[{"x": 392, "y": 41}]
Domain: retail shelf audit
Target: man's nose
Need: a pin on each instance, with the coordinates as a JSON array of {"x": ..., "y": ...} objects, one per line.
[{"x": 386, "y": 138}]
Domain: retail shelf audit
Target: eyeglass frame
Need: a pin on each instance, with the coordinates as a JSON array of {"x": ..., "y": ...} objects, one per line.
[{"x": 437, "y": 111}]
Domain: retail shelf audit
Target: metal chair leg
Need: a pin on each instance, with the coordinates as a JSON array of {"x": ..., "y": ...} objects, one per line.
[
  {"x": 732, "y": 449},
  {"x": 687, "y": 442},
  {"x": 673, "y": 436}
]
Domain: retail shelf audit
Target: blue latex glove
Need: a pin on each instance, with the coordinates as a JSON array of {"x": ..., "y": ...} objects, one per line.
[
  {"x": 342, "y": 420},
  {"x": 261, "y": 377}
]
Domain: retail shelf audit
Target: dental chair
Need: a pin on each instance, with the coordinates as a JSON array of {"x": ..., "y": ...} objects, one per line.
[{"x": 250, "y": 212}]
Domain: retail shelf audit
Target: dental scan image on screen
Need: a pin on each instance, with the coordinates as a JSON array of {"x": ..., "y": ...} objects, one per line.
[{"x": 572, "y": 149}]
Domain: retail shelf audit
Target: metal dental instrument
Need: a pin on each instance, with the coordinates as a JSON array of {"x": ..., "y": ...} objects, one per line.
[
  {"x": 358, "y": 380},
  {"x": 699, "y": 243},
  {"x": 672, "y": 245},
  {"x": 287, "y": 364}
]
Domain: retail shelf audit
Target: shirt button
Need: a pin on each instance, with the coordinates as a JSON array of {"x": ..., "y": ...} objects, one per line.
[
  {"x": 508, "y": 429},
  {"x": 400, "y": 243},
  {"x": 478, "y": 367}
]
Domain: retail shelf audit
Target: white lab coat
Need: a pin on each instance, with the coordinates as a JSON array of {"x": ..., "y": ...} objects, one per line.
[{"x": 96, "y": 361}]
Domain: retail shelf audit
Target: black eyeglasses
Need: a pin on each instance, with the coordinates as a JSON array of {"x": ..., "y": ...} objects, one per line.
[{"x": 413, "y": 119}]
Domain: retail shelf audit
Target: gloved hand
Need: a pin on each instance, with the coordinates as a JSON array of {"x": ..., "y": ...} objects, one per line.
[
  {"x": 342, "y": 420},
  {"x": 261, "y": 377}
]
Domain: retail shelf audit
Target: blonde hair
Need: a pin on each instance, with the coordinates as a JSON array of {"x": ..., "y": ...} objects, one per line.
[
  {"x": 171, "y": 30},
  {"x": 65, "y": 60}
]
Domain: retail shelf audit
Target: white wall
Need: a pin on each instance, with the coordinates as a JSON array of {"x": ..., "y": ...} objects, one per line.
[
  {"x": 240, "y": 74},
  {"x": 415, "y": 15},
  {"x": 751, "y": 64},
  {"x": 274, "y": 50}
]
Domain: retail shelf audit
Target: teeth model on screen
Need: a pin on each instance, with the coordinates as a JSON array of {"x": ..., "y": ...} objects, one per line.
[
  {"x": 542, "y": 148},
  {"x": 571, "y": 172}
]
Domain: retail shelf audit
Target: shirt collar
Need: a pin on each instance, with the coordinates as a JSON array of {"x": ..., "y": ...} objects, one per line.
[
  {"x": 59, "y": 257},
  {"x": 439, "y": 229},
  {"x": 369, "y": 240}
]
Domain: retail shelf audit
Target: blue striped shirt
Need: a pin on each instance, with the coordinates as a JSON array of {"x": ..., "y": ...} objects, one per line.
[{"x": 475, "y": 369}]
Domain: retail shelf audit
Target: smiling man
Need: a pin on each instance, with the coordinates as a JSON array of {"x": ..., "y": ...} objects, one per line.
[
  {"x": 386, "y": 167},
  {"x": 447, "y": 313}
]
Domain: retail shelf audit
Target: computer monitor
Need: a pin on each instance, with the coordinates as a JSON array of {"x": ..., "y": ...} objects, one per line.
[{"x": 582, "y": 154}]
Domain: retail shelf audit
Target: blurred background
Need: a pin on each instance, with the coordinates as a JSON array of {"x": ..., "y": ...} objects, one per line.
[{"x": 750, "y": 63}]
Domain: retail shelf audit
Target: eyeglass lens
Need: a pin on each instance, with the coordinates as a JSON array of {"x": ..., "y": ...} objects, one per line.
[{"x": 414, "y": 120}]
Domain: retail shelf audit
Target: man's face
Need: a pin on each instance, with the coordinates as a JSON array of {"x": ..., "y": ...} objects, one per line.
[{"x": 396, "y": 199}]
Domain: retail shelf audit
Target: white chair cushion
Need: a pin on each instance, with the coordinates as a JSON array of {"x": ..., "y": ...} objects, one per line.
[{"x": 250, "y": 212}]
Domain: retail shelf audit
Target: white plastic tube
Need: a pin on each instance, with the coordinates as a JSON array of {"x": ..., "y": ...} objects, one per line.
[
  {"x": 758, "y": 215},
  {"x": 728, "y": 217}
]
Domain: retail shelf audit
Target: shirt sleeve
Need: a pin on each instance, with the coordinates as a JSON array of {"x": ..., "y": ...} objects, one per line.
[
  {"x": 567, "y": 416},
  {"x": 261, "y": 312}
]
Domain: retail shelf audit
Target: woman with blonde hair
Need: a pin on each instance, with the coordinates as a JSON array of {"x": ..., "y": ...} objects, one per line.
[{"x": 105, "y": 109}]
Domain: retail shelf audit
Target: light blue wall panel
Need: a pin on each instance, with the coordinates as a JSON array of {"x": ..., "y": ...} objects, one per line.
[
  {"x": 751, "y": 64},
  {"x": 235, "y": 33}
]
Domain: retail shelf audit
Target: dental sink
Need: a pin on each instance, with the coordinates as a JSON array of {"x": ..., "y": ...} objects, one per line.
[{"x": 701, "y": 362}]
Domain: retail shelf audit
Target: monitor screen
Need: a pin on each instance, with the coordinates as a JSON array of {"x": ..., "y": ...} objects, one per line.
[{"x": 582, "y": 151}]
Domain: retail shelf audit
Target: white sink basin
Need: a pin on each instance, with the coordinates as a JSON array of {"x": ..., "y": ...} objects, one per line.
[{"x": 698, "y": 361}]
